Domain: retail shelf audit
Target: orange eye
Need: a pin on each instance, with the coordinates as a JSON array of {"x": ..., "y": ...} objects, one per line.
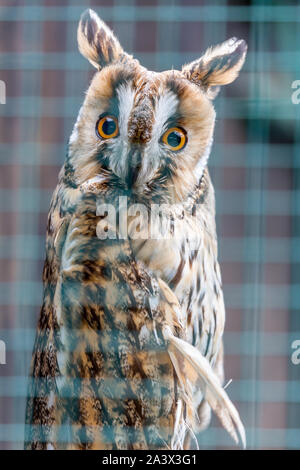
[
  {"x": 107, "y": 127},
  {"x": 175, "y": 138}
]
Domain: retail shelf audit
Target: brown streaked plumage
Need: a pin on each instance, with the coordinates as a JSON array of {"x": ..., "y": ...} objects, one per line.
[{"x": 128, "y": 352}]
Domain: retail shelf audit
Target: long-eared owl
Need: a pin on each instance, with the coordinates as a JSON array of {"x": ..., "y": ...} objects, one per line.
[{"x": 128, "y": 352}]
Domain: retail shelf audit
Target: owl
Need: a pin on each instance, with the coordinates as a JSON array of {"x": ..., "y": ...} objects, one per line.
[{"x": 128, "y": 351}]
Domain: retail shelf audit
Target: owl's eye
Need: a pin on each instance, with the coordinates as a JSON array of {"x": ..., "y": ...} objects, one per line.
[
  {"x": 107, "y": 127},
  {"x": 175, "y": 138}
]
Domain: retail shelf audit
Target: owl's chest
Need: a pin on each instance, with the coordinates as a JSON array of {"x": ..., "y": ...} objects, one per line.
[{"x": 187, "y": 261}]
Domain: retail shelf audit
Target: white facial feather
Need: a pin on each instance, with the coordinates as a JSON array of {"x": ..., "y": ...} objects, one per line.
[
  {"x": 119, "y": 147},
  {"x": 74, "y": 135},
  {"x": 166, "y": 107},
  {"x": 126, "y": 96},
  {"x": 203, "y": 161}
]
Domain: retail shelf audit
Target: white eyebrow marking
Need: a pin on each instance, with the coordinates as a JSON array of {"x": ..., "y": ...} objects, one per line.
[
  {"x": 126, "y": 96},
  {"x": 166, "y": 107},
  {"x": 203, "y": 161}
]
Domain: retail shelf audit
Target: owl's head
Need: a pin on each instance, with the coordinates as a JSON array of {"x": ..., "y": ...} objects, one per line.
[{"x": 149, "y": 133}]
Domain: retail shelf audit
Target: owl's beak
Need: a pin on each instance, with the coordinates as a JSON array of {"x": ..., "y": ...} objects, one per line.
[{"x": 134, "y": 166}]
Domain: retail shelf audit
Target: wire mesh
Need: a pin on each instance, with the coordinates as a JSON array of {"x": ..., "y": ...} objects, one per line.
[{"x": 255, "y": 164}]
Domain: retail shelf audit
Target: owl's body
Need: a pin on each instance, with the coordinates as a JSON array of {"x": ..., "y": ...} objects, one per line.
[{"x": 128, "y": 353}]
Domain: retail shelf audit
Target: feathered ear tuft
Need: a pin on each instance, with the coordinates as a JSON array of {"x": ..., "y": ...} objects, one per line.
[
  {"x": 219, "y": 65},
  {"x": 96, "y": 40}
]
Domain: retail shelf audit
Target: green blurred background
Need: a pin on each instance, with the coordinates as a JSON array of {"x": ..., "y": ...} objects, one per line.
[{"x": 254, "y": 164}]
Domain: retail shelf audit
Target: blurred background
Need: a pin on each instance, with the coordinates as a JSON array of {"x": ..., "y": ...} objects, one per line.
[{"x": 255, "y": 167}]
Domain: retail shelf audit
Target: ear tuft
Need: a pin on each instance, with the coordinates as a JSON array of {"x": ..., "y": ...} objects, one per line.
[
  {"x": 219, "y": 65},
  {"x": 96, "y": 41}
]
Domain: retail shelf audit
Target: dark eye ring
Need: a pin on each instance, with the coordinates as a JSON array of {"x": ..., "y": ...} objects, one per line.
[
  {"x": 107, "y": 127},
  {"x": 175, "y": 138}
]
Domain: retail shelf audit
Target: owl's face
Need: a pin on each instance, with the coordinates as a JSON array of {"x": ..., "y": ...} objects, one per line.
[
  {"x": 148, "y": 133},
  {"x": 151, "y": 131}
]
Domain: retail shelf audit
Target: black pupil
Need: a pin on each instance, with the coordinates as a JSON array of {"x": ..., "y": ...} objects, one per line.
[
  {"x": 174, "y": 139},
  {"x": 109, "y": 126}
]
